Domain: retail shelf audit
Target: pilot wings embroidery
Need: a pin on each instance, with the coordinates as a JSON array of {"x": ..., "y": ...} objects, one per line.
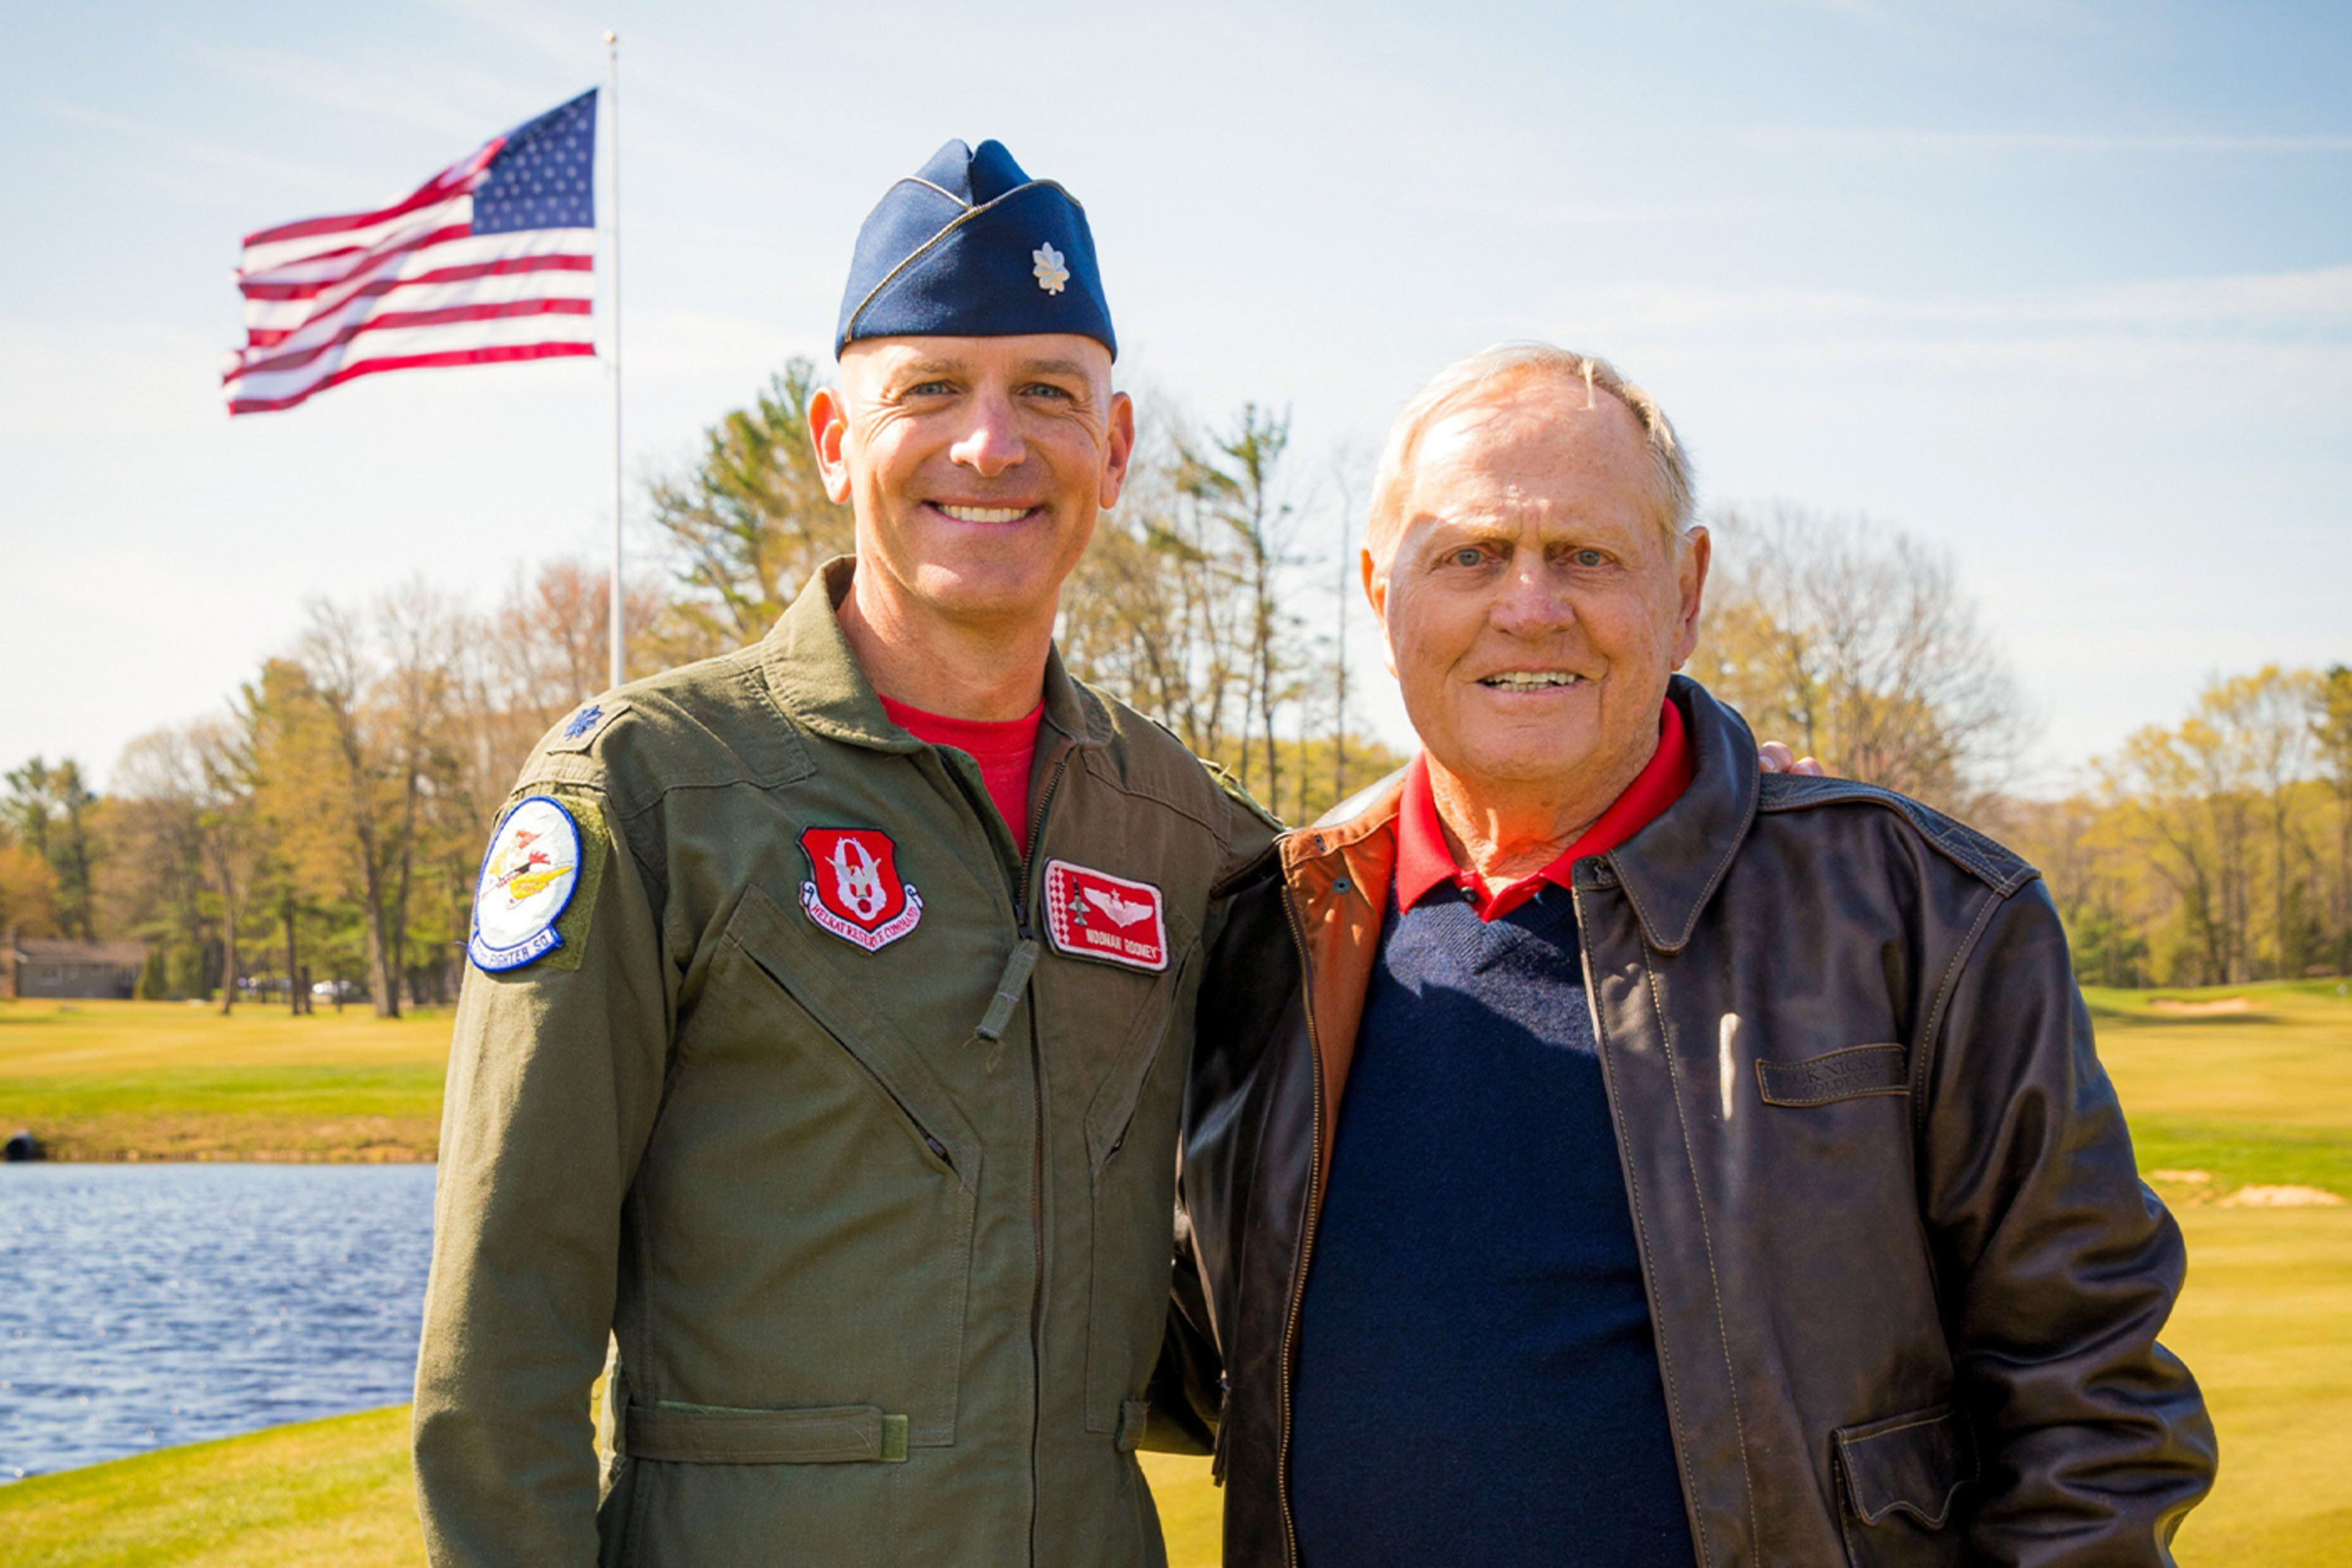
[{"x": 1122, "y": 912}]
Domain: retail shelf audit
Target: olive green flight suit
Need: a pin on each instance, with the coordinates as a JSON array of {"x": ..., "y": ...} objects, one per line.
[{"x": 883, "y": 1236}]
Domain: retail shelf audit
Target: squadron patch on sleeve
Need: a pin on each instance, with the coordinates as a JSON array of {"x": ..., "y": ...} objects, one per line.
[{"x": 528, "y": 880}]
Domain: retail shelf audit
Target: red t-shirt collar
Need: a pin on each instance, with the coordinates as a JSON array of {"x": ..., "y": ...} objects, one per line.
[
  {"x": 1002, "y": 747},
  {"x": 982, "y": 737},
  {"x": 1423, "y": 861}
]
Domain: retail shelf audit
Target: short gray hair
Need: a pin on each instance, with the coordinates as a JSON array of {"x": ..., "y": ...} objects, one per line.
[{"x": 1490, "y": 371}]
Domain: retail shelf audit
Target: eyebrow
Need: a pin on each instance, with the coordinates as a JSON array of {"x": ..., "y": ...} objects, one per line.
[{"x": 920, "y": 369}]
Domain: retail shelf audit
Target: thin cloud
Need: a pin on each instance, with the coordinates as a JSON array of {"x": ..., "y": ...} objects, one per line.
[
  {"x": 2314, "y": 304},
  {"x": 484, "y": 105},
  {"x": 1828, "y": 139},
  {"x": 169, "y": 151}
]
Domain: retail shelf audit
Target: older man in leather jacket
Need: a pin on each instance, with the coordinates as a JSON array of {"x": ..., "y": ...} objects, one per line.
[{"x": 1599, "y": 1151}]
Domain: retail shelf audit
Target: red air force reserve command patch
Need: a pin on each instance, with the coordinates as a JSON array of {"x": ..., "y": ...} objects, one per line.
[
  {"x": 1093, "y": 914},
  {"x": 854, "y": 890}
]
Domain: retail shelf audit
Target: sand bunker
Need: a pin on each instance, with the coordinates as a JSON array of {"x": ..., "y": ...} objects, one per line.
[
  {"x": 2191, "y": 1009},
  {"x": 2289, "y": 1197},
  {"x": 2193, "y": 1178}
]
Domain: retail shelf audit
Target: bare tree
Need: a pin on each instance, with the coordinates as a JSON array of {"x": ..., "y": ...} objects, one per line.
[
  {"x": 354, "y": 728},
  {"x": 2331, "y": 725},
  {"x": 2267, "y": 717},
  {"x": 1231, "y": 478},
  {"x": 1150, "y": 615},
  {"x": 2184, "y": 792},
  {"x": 1855, "y": 642},
  {"x": 157, "y": 870}
]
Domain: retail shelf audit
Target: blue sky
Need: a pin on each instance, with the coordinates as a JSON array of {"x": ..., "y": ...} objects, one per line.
[{"x": 2064, "y": 286}]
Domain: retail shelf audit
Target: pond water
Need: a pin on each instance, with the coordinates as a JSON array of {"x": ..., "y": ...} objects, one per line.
[{"x": 146, "y": 1305}]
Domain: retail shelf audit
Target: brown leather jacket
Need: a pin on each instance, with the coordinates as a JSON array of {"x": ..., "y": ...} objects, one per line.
[{"x": 1904, "y": 1276}]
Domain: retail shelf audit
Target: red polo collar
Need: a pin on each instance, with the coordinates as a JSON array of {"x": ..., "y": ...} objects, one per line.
[{"x": 1423, "y": 861}]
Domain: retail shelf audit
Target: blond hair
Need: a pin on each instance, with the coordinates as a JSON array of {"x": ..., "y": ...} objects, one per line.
[{"x": 1493, "y": 370}]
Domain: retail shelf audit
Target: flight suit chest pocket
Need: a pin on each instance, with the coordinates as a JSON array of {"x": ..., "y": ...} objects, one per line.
[
  {"x": 864, "y": 1168},
  {"x": 1130, "y": 1134},
  {"x": 793, "y": 960}
]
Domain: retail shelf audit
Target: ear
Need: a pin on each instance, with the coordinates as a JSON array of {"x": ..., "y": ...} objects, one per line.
[
  {"x": 1376, "y": 589},
  {"x": 1690, "y": 573},
  {"x": 1120, "y": 440},
  {"x": 828, "y": 419}
]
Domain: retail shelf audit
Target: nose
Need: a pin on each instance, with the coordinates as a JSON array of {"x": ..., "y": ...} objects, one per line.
[
  {"x": 992, "y": 442},
  {"x": 1531, "y": 602}
]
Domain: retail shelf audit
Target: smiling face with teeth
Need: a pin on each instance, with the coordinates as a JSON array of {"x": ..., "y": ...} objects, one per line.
[
  {"x": 1534, "y": 607},
  {"x": 976, "y": 467}
]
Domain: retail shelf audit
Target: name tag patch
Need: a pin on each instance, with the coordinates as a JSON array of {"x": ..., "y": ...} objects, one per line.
[{"x": 1093, "y": 914}]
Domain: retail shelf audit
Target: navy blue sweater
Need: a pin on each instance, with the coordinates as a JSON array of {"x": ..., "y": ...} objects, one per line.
[{"x": 1476, "y": 1378}]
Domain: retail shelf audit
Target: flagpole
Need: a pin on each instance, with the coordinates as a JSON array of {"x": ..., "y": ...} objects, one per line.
[{"x": 620, "y": 633}]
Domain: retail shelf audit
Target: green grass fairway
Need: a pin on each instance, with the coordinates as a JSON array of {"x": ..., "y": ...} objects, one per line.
[
  {"x": 2266, "y": 1321},
  {"x": 164, "y": 1081},
  {"x": 322, "y": 1492},
  {"x": 2228, "y": 1088},
  {"x": 334, "y": 1492},
  {"x": 2266, "y": 1324},
  {"x": 2250, "y": 1083}
]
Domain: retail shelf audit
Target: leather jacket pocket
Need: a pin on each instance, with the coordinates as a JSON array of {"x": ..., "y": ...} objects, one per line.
[{"x": 1903, "y": 1477}]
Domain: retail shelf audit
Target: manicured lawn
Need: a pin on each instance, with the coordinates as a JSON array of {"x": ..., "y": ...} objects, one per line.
[
  {"x": 322, "y": 1492},
  {"x": 332, "y": 1492},
  {"x": 2266, "y": 1324},
  {"x": 2255, "y": 1091},
  {"x": 2260, "y": 1093},
  {"x": 2266, "y": 1321},
  {"x": 163, "y": 1080}
]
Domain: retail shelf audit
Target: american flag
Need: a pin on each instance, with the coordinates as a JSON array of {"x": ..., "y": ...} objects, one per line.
[{"x": 490, "y": 259}]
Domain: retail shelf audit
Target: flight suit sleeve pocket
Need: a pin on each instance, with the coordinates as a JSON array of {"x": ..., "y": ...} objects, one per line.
[{"x": 1914, "y": 1465}]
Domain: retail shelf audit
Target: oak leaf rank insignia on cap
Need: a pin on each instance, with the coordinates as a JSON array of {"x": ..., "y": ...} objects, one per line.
[{"x": 970, "y": 246}]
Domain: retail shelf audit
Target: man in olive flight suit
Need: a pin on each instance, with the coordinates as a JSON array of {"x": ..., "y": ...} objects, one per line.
[{"x": 829, "y": 1032}]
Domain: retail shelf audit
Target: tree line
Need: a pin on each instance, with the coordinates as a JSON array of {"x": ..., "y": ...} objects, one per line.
[{"x": 320, "y": 834}]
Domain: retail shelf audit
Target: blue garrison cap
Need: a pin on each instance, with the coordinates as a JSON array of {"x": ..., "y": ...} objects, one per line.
[{"x": 971, "y": 247}]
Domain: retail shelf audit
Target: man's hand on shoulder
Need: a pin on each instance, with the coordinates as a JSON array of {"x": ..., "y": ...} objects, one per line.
[{"x": 1775, "y": 757}]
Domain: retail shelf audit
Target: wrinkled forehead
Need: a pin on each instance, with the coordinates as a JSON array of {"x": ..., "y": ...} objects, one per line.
[
  {"x": 1539, "y": 459},
  {"x": 871, "y": 361}
]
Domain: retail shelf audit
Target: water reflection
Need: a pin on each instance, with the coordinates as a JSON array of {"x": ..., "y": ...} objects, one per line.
[{"x": 147, "y": 1305}]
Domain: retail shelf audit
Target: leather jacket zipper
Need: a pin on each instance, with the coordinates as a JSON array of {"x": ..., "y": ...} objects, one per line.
[{"x": 1306, "y": 1230}]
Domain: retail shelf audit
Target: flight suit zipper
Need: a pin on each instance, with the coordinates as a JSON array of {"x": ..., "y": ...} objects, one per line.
[
  {"x": 1038, "y": 1156},
  {"x": 1017, "y": 975}
]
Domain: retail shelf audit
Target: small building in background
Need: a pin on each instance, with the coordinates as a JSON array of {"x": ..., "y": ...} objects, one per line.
[{"x": 47, "y": 966}]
